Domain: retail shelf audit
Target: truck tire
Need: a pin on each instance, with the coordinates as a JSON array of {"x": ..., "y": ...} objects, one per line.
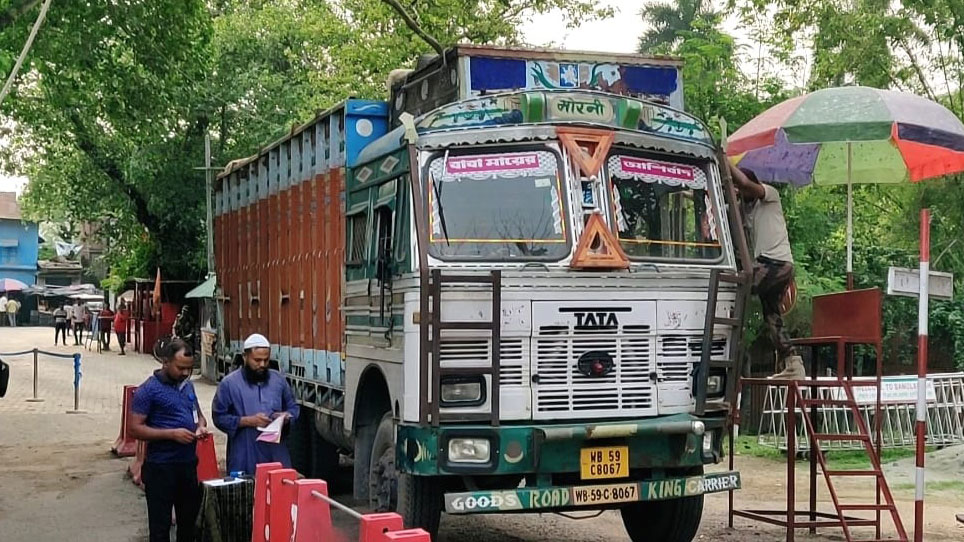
[
  {"x": 420, "y": 502},
  {"x": 418, "y": 499},
  {"x": 675, "y": 520}
]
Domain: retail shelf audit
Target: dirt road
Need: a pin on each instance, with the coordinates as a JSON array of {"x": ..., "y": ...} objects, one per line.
[{"x": 59, "y": 482}]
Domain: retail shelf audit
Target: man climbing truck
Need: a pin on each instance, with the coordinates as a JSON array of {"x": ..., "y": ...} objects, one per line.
[{"x": 510, "y": 288}]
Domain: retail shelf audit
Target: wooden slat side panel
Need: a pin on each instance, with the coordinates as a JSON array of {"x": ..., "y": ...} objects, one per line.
[
  {"x": 336, "y": 268},
  {"x": 284, "y": 270},
  {"x": 297, "y": 213},
  {"x": 274, "y": 280}
]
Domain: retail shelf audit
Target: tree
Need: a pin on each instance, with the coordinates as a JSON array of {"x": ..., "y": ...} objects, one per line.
[
  {"x": 669, "y": 24},
  {"x": 714, "y": 87},
  {"x": 915, "y": 46}
]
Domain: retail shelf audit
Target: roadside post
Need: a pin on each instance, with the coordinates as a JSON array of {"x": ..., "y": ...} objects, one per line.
[
  {"x": 36, "y": 379},
  {"x": 77, "y": 375},
  {"x": 907, "y": 282}
]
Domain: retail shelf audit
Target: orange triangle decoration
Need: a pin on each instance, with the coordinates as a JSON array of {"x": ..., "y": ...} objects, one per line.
[
  {"x": 587, "y": 147},
  {"x": 598, "y": 248}
]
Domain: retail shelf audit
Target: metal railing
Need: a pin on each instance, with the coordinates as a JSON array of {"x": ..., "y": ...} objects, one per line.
[
  {"x": 945, "y": 414},
  {"x": 36, "y": 374}
]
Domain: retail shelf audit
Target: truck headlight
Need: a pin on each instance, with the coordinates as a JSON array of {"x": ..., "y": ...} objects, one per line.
[
  {"x": 462, "y": 391},
  {"x": 469, "y": 450},
  {"x": 714, "y": 385}
]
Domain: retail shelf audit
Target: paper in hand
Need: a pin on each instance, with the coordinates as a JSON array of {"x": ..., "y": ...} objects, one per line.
[{"x": 272, "y": 433}]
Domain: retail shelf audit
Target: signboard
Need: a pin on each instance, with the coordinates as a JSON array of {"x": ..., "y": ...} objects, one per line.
[
  {"x": 893, "y": 390},
  {"x": 655, "y": 171},
  {"x": 492, "y": 163},
  {"x": 208, "y": 339},
  {"x": 906, "y": 282}
]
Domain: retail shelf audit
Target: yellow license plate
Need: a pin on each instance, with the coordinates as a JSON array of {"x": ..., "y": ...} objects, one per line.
[{"x": 604, "y": 462}]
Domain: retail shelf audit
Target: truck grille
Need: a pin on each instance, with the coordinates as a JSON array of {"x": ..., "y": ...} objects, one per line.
[
  {"x": 563, "y": 391},
  {"x": 678, "y": 354},
  {"x": 459, "y": 352}
]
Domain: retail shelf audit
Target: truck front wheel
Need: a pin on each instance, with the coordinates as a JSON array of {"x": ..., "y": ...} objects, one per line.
[
  {"x": 418, "y": 499},
  {"x": 675, "y": 520}
]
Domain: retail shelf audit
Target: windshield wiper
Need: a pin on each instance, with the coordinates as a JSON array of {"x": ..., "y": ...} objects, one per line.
[{"x": 441, "y": 212}]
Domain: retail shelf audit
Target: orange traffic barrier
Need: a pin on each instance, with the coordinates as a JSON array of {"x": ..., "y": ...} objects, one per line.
[
  {"x": 207, "y": 460},
  {"x": 135, "y": 466},
  {"x": 125, "y": 445},
  {"x": 260, "y": 515}
]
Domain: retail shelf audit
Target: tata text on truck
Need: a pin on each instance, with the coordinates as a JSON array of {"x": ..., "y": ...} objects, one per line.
[{"x": 492, "y": 290}]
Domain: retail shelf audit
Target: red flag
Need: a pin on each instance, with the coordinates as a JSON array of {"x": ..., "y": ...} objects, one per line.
[{"x": 156, "y": 298}]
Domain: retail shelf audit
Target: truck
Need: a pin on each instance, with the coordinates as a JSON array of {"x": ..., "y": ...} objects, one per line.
[{"x": 515, "y": 286}]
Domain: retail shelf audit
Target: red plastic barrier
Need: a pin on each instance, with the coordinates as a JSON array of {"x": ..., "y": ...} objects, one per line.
[
  {"x": 280, "y": 498},
  {"x": 260, "y": 514},
  {"x": 408, "y": 535},
  {"x": 287, "y": 510},
  {"x": 207, "y": 460},
  {"x": 125, "y": 445},
  {"x": 312, "y": 516},
  {"x": 134, "y": 468},
  {"x": 374, "y": 526}
]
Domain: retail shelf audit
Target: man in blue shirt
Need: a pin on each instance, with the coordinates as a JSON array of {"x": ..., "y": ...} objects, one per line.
[
  {"x": 248, "y": 398},
  {"x": 165, "y": 413}
]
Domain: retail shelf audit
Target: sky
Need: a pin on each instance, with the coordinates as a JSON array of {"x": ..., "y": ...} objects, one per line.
[
  {"x": 12, "y": 184},
  {"x": 621, "y": 31}
]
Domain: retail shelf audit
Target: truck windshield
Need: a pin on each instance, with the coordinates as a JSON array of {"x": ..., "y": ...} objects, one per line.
[
  {"x": 501, "y": 206},
  {"x": 663, "y": 209}
]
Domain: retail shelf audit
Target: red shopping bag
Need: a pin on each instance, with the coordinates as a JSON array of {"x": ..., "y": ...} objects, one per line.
[{"x": 207, "y": 459}]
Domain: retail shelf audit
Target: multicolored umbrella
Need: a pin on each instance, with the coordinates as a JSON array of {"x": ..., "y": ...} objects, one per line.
[
  {"x": 11, "y": 285},
  {"x": 850, "y": 135}
]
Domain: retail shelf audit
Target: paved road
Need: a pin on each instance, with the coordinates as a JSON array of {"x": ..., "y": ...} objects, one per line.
[{"x": 58, "y": 463}]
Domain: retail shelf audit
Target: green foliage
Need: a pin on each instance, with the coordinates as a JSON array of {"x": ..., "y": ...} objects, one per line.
[
  {"x": 670, "y": 25},
  {"x": 916, "y": 46}
]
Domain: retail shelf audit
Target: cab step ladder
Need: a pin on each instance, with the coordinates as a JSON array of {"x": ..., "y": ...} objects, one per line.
[
  {"x": 863, "y": 436},
  {"x": 437, "y": 280},
  {"x": 742, "y": 279}
]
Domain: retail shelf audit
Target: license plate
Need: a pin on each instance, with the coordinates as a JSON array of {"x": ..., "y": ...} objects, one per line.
[
  {"x": 604, "y": 462},
  {"x": 588, "y": 495}
]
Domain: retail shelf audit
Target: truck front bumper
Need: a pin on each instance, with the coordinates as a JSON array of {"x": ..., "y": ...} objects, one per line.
[
  {"x": 589, "y": 496},
  {"x": 665, "y": 443}
]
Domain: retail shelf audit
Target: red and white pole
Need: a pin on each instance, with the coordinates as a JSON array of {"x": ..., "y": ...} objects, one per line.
[{"x": 923, "y": 298}]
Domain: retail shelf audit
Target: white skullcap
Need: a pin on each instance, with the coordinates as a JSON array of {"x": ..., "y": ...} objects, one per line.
[{"x": 256, "y": 340}]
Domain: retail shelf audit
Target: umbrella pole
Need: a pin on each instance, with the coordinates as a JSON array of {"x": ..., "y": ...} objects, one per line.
[{"x": 850, "y": 219}]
